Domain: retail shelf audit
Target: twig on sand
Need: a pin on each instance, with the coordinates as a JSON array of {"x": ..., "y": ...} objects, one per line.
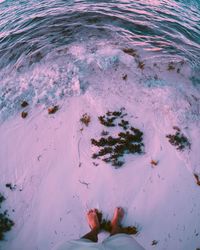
[{"x": 84, "y": 183}]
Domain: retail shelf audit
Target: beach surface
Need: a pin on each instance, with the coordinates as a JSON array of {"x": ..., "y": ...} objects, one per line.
[{"x": 47, "y": 159}]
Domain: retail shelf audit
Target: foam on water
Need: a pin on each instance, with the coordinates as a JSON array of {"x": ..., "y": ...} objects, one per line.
[{"x": 67, "y": 72}]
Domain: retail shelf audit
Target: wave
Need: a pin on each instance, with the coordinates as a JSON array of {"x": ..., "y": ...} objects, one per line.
[{"x": 48, "y": 50}]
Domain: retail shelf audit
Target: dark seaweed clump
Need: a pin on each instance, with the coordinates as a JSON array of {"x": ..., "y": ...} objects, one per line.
[
  {"x": 85, "y": 119},
  {"x": 154, "y": 242},
  {"x": 24, "y": 104},
  {"x": 171, "y": 66},
  {"x": 6, "y": 223},
  {"x": 2, "y": 199},
  {"x": 53, "y": 110},
  {"x": 128, "y": 141},
  {"x": 24, "y": 114},
  {"x": 131, "y": 52},
  {"x": 10, "y": 186},
  {"x": 179, "y": 140},
  {"x": 109, "y": 118}
]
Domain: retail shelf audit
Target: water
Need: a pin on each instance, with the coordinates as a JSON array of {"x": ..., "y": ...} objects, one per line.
[{"x": 49, "y": 48}]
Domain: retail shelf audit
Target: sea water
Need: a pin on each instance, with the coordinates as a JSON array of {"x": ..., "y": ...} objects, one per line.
[{"x": 50, "y": 49}]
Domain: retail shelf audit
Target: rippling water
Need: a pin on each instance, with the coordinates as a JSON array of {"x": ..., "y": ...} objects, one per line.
[{"x": 35, "y": 38}]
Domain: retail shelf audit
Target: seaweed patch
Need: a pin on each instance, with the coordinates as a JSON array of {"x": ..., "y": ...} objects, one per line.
[
  {"x": 6, "y": 223},
  {"x": 141, "y": 65},
  {"x": 85, "y": 119},
  {"x": 171, "y": 66},
  {"x": 24, "y": 104},
  {"x": 154, "y": 242},
  {"x": 53, "y": 110},
  {"x": 154, "y": 163},
  {"x": 179, "y": 140},
  {"x": 130, "y": 52},
  {"x": 10, "y": 186},
  {"x": 129, "y": 140},
  {"x": 24, "y": 114},
  {"x": 124, "y": 77}
]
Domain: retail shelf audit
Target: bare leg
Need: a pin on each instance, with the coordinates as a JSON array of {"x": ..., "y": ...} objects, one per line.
[
  {"x": 94, "y": 225},
  {"x": 116, "y": 220}
]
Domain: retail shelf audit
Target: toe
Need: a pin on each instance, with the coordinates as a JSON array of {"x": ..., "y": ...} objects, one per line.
[
  {"x": 96, "y": 210},
  {"x": 90, "y": 211}
]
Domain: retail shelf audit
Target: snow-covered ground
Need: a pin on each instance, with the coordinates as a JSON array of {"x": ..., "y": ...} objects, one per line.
[{"x": 49, "y": 156}]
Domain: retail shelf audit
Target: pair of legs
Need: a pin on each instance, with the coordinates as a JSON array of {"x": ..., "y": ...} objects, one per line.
[{"x": 95, "y": 225}]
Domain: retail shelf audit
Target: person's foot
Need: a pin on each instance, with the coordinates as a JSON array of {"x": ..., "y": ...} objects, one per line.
[
  {"x": 116, "y": 220},
  {"x": 117, "y": 217},
  {"x": 92, "y": 219}
]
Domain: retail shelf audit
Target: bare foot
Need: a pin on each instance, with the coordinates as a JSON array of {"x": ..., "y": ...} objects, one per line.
[
  {"x": 118, "y": 216},
  {"x": 93, "y": 220},
  {"x": 116, "y": 221}
]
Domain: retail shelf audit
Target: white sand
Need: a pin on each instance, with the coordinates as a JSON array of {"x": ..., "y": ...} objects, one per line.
[{"x": 48, "y": 157}]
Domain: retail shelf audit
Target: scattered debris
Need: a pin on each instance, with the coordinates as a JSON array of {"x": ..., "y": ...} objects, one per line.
[
  {"x": 95, "y": 164},
  {"x": 176, "y": 128},
  {"x": 24, "y": 114},
  {"x": 131, "y": 52},
  {"x": 141, "y": 65},
  {"x": 24, "y": 104},
  {"x": 154, "y": 242},
  {"x": 197, "y": 179},
  {"x": 85, "y": 119},
  {"x": 6, "y": 223},
  {"x": 10, "y": 186},
  {"x": 154, "y": 163},
  {"x": 53, "y": 109},
  {"x": 171, "y": 66},
  {"x": 124, "y": 77},
  {"x": 179, "y": 140}
]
